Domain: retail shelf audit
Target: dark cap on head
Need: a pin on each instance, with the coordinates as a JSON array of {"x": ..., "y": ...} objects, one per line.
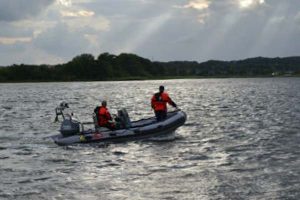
[
  {"x": 161, "y": 88},
  {"x": 104, "y": 103}
]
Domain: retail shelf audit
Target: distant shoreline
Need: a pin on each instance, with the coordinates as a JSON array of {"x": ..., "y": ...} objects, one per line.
[
  {"x": 126, "y": 67},
  {"x": 149, "y": 79}
]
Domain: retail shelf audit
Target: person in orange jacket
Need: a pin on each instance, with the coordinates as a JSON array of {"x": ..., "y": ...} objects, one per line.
[
  {"x": 103, "y": 116},
  {"x": 159, "y": 103}
]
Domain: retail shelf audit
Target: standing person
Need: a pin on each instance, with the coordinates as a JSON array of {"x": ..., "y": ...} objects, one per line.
[
  {"x": 103, "y": 116},
  {"x": 159, "y": 103}
]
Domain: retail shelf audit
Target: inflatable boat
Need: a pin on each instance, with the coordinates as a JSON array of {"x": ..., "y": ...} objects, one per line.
[{"x": 73, "y": 132}]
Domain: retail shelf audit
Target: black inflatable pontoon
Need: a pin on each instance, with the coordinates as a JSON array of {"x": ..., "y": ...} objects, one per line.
[{"x": 141, "y": 129}]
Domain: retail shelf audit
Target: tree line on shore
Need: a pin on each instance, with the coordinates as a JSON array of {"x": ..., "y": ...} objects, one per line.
[{"x": 86, "y": 67}]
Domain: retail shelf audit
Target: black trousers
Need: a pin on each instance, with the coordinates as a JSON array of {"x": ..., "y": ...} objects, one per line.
[{"x": 161, "y": 115}]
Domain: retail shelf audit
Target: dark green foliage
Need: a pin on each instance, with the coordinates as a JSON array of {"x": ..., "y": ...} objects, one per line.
[{"x": 130, "y": 66}]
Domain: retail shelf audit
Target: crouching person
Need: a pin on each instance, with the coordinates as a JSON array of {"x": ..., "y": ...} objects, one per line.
[{"x": 104, "y": 118}]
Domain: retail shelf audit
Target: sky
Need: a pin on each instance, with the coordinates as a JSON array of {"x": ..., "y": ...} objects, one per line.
[{"x": 55, "y": 31}]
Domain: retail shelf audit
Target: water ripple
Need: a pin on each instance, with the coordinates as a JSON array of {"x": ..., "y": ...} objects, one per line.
[{"x": 241, "y": 141}]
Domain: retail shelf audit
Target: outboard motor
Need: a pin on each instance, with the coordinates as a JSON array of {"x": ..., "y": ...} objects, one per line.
[
  {"x": 123, "y": 118},
  {"x": 69, "y": 127}
]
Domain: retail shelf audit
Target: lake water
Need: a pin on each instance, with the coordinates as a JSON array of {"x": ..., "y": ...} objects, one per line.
[{"x": 241, "y": 141}]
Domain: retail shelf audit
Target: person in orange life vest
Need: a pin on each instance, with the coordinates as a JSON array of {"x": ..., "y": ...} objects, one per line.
[
  {"x": 159, "y": 103},
  {"x": 103, "y": 116}
]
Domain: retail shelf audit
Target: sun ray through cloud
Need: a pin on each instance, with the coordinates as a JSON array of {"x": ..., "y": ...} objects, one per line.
[
  {"x": 273, "y": 25},
  {"x": 219, "y": 35},
  {"x": 144, "y": 33}
]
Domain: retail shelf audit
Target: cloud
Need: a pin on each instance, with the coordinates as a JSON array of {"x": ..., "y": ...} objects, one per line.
[
  {"x": 80, "y": 13},
  {"x": 277, "y": 19},
  {"x": 250, "y": 3},
  {"x": 202, "y": 17},
  {"x": 77, "y": 18},
  {"x": 201, "y": 6},
  {"x": 92, "y": 38},
  {"x": 13, "y": 40},
  {"x": 35, "y": 27},
  {"x": 297, "y": 17},
  {"x": 87, "y": 24},
  {"x": 12, "y": 10},
  {"x": 198, "y": 4},
  {"x": 61, "y": 41},
  {"x": 64, "y": 2},
  {"x": 57, "y": 30},
  {"x": 26, "y": 53}
]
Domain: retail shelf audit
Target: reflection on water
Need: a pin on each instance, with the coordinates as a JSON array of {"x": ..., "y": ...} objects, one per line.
[{"x": 241, "y": 141}]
